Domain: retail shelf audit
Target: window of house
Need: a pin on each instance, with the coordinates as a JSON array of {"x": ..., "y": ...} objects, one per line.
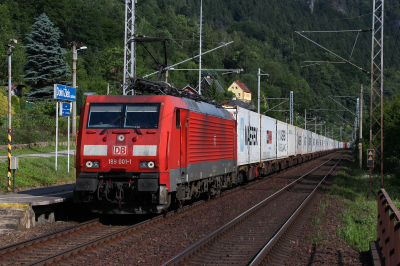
[{"x": 239, "y": 94}]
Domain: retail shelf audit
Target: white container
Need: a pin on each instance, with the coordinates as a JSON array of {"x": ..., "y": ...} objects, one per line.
[
  {"x": 291, "y": 140},
  {"x": 248, "y": 135},
  {"x": 304, "y": 134},
  {"x": 268, "y": 138},
  {"x": 309, "y": 142},
  {"x": 282, "y": 143},
  {"x": 299, "y": 140},
  {"x": 314, "y": 141},
  {"x": 321, "y": 142}
]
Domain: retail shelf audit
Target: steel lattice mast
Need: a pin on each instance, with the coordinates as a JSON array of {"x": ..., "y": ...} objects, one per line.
[
  {"x": 376, "y": 116},
  {"x": 129, "y": 45}
]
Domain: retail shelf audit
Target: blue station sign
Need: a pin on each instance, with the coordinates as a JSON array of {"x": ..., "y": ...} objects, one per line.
[
  {"x": 65, "y": 109},
  {"x": 63, "y": 92}
]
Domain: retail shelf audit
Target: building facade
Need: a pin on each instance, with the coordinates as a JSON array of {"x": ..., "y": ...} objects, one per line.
[{"x": 241, "y": 91}]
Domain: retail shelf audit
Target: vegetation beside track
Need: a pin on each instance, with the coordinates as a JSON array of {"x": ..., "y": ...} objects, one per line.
[
  {"x": 39, "y": 172},
  {"x": 360, "y": 212}
]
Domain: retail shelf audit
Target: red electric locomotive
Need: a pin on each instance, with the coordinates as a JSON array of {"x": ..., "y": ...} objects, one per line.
[{"x": 134, "y": 153}]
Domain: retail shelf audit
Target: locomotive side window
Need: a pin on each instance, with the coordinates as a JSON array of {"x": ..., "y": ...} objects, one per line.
[
  {"x": 142, "y": 115},
  {"x": 105, "y": 115},
  {"x": 178, "y": 118}
]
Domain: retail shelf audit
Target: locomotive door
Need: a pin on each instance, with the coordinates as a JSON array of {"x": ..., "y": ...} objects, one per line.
[{"x": 181, "y": 126}]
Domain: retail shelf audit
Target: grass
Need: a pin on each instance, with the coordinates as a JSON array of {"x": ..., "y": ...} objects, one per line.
[
  {"x": 37, "y": 150},
  {"x": 39, "y": 172},
  {"x": 360, "y": 213}
]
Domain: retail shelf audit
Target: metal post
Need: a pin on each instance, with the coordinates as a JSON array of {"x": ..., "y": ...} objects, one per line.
[
  {"x": 376, "y": 110},
  {"x": 315, "y": 127},
  {"x": 74, "y": 58},
  {"x": 340, "y": 133},
  {"x": 108, "y": 88},
  {"x": 129, "y": 45},
  {"x": 259, "y": 72},
  {"x": 9, "y": 53},
  {"x": 68, "y": 144},
  {"x": 305, "y": 119},
  {"x": 360, "y": 138},
  {"x": 56, "y": 133},
  {"x": 291, "y": 107},
  {"x": 201, "y": 24}
]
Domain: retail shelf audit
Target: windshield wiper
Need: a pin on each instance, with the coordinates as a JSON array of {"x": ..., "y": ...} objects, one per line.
[
  {"x": 109, "y": 125},
  {"x": 133, "y": 124}
]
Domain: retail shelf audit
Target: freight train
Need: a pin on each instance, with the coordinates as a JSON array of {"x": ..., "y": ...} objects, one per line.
[{"x": 140, "y": 154}]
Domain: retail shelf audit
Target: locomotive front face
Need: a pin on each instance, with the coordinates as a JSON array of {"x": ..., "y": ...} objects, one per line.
[{"x": 117, "y": 161}]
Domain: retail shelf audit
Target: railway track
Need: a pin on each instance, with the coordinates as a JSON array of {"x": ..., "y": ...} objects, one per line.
[
  {"x": 64, "y": 244},
  {"x": 250, "y": 238}
]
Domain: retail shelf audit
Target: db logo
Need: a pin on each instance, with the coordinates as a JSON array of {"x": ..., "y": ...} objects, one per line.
[{"x": 119, "y": 150}]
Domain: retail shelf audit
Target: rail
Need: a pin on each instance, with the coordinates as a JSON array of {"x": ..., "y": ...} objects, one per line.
[
  {"x": 388, "y": 229},
  {"x": 271, "y": 243},
  {"x": 178, "y": 259}
]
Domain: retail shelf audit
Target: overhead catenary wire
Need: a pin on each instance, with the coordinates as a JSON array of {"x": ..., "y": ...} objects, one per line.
[
  {"x": 334, "y": 31},
  {"x": 355, "y": 17},
  {"x": 347, "y": 61}
]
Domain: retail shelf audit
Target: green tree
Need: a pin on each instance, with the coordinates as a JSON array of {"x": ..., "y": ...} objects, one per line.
[{"x": 46, "y": 64}]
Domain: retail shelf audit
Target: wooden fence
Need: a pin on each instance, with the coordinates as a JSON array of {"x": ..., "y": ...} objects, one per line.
[{"x": 388, "y": 229}]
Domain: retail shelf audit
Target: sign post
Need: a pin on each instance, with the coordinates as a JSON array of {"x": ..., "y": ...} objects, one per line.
[
  {"x": 65, "y": 110},
  {"x": 64, "y": 93}
]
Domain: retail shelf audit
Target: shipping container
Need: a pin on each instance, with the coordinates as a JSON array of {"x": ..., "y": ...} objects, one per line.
[
  {"x": 304, "y": 135},
  {"x": 309, "y": 142},
  {"x": 291, "y": 140},
  {"x": 268, "y": 138},
  {"x": 314, "y": 142},
  {"x": 299, "y": 140},
  {"x": 248, "y": 135},
  {"x": 282, "y": 140},
  {"x": 321, "y": 142}
]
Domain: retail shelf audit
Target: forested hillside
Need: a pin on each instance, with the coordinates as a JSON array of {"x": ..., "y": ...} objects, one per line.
[{"x": 264, "y": 37}]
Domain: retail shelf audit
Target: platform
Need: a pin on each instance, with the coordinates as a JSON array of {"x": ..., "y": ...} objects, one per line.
[{"x": 28, "y": 208}]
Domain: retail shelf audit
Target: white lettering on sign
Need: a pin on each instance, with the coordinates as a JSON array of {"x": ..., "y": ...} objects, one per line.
[
  {"x": 119, "y": 161},
  {"x": 119, "y": 150}
]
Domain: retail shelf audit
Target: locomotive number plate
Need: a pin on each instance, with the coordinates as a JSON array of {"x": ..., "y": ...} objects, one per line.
[
  {"x": 119, "y": 150},
  {"x": 119, "y": 161}
]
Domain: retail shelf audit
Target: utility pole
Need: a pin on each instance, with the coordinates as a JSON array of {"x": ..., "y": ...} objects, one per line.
[
  {"x": 315, "y": 127},
  {"x": 360, "y": 138},
  {"x": 201, "y": 24},
  {"x": 340, "y": 133},
  {"x": 9, "y": 53},
  {"x": 259, "y": 87},
  {"x": 73, "y": 127},
  {"x": 291, "y": 107},
  {"x": 74, "y": 58},
  {"x": 129, "y": 45},
  {"x": 259, "y": 90},
  {"x": 376, "y": 109},
  {"x": 305, "y": 119},
  {"x": 356, "y": 120}
]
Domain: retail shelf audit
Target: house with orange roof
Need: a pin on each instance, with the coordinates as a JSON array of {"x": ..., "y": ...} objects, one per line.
[{"x": 241, "y": 91}]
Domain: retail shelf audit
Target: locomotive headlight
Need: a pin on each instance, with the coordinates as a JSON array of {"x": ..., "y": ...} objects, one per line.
[
  {"x": 121, "y": 137},
  {"x": 147, "y": 164},
  {"x": 92, "y": 164}
]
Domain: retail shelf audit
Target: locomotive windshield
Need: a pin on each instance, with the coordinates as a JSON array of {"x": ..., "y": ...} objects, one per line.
[
  {"x": 142, "y": 115},
  {"x": 105, "y": 115},
  {"x": 136, "y": 115}
]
